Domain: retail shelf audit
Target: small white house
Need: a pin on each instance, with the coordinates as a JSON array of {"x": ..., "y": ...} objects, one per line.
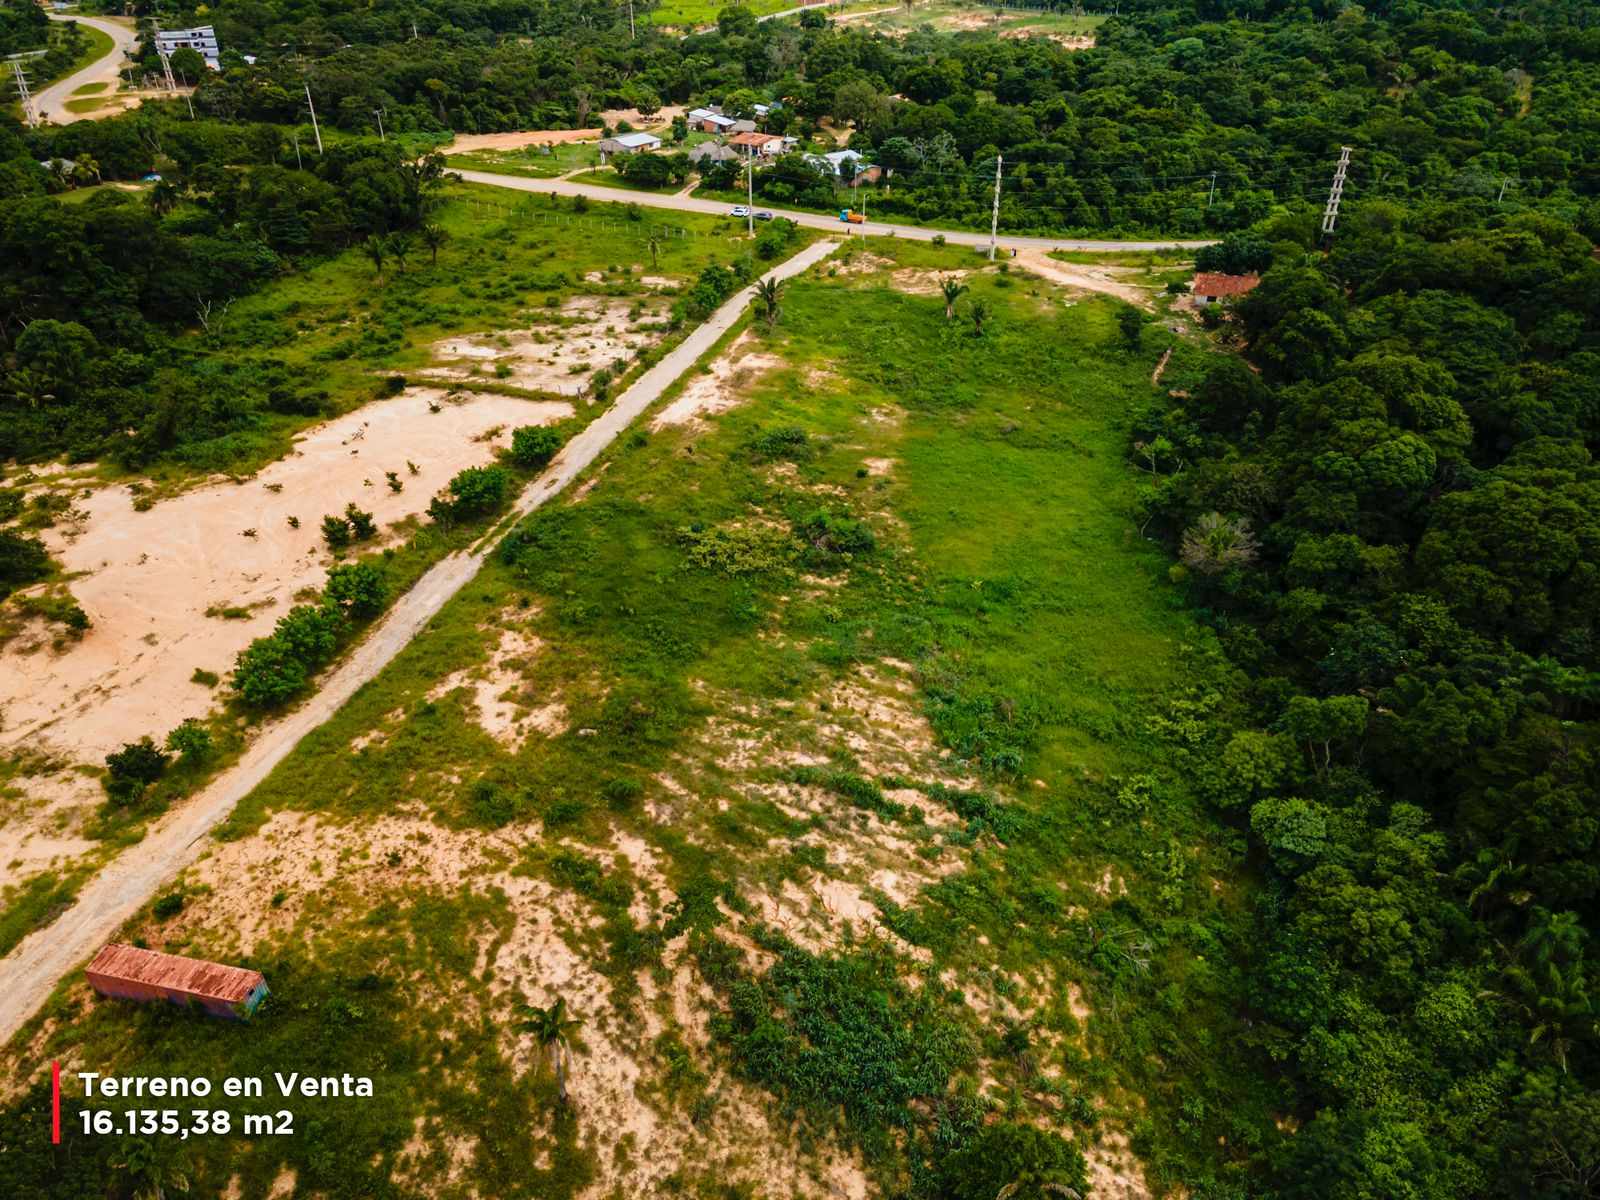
[
  {"x": 202, "y": 38},
  {"x": 630, "y": 143}
]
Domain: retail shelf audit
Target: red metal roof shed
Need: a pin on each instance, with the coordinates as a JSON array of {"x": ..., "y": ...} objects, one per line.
[
  {"x": 1217, "y": 286},
  {"x": 129, "y": 973}
]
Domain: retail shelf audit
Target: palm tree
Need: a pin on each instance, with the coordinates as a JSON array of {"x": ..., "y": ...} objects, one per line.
[
  {"x": 952, "y": 289},
  {"x": 770, "y": 292},
  {"x": 1552, "y": 937},
  {"x": 30, "y": 386},
  {"x": 978, "y": 310},
  {"x": 377, "y": 250},
  {"x": 550, "y": 1027},
  {"x": 434, "y": 236},
  {"x": 164, "y": 197},
  {"x": 1557, "y": 1006},
  {"x": 399, "y": 247},
  {"x": 88, "y": 166}
]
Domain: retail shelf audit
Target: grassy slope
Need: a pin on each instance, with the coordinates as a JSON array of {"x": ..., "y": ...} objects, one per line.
[{"x": 1010, "y": 578}]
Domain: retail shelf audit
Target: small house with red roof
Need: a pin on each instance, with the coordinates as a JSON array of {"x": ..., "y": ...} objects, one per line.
[{"x": 1213, "y": 287}]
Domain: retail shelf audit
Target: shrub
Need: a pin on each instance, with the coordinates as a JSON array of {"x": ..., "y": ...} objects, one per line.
[
  {"x": 790, "y": 442},
  {"x": 1019, "y": 1160},
  {"x": 167, "y": 906},
  {"x": 621, "y": 793},
  {"x": 336, "y": 532},
  {"x": 827, "y": 537},
  {"x": 133, "y": 768},
  {"x": 362, "y": 526},
  {"x": 359, "y": 589},
  {"x": 192, "y": 740},
  {"x": 205, "y": 677},
  {"x": 22, "y": 561},
  {"x": 474, "y": 492},
  {"x": 533, "y": 446},
  {"x": 311, "y": 632},
  {"x": 267, "y": 673}
]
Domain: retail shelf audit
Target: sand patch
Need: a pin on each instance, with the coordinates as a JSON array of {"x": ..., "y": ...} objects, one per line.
[
  {"x": 1109, "y": 281},
  {"x": 497, "y": 690},
  {"x": 878, "y": 467},
  {"x": 1071, "y": 41},
  {"x": 720, "y": 388},
  {"x": 146, "y": 578},
  {"x": 915, "y": 281},
  {"x": 1114, "y": 1172},
  {"x": 563, "y": 358},
  {"x": 41, "y": 815},
  {"x": 466, "y": 143}
]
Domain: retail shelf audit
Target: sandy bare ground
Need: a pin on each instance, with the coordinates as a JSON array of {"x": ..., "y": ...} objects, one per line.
[
  {"x": 720, "y": 388},
  {"x": 1108, "y": 280},
  {"x": 465, "y": 143},
  {"x": 147, "y": 579},
  {"x": 562, "y": 360},
  {"x": 51, "y": 103},
  {"x": 31, "y": 971}
]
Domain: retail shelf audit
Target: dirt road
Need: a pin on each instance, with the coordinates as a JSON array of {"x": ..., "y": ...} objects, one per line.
[
  {"x": 52, "y": 102},
  {"x": 32, "y": 970},
  {"x": 1086, "y": 278},
  {"x": 956, "y": 237}
]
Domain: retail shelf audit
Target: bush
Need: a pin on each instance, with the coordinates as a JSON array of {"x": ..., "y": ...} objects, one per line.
[
  {"x": 533, "y": 446},
  {"x": 827, "y": 536},
  {"x": 167, "y": 906},
  {"x": 192, "y": 740},
  {"x": 267, "y": 673},
  {"x": 621, "y": 793},
  {"x": 474, "y": 492},
  {"x": 336, "y": 532},
  {"x": 358, "y": 589},
  {"x": 22, "y": 561},
  {"x": 1024, "y": 1162},
  {"x": 790, "y": 442},
  {"x": 133, "y": 768},
  {"x": 362, "y": 526}
]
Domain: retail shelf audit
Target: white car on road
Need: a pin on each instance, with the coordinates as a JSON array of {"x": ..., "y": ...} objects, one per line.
[{"x": 739, "y": 210}]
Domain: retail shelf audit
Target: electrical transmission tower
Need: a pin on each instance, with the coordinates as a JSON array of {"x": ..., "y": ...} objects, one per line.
[
  {"x": 1330, "y": 215},
  {"x": 29, "y": 113}
]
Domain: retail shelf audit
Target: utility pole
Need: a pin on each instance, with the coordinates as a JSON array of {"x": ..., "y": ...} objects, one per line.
[
  {"x": 1330, "y": 215},
  {"x": 294, "y": 136},
  {"x": 314, "y": 128},
  {"x": 413, "y": 29},
  {"x": 750, "y": 192},
  {"x": 994, "y": 221},
  {"x": 863, "y": 212},
  {"x": 378, "y": 112},
  {"x": 28, "y": 111},
  {"x": 1213, "y": 194},
  {"x": 631, "y": 33},
  {"x": 1504, "y": 183}
]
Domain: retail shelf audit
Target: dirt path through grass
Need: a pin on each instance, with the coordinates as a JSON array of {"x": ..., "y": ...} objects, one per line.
[{"x": 32, "y": 970}]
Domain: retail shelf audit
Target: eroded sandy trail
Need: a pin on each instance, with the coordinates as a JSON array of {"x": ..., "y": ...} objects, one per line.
[{"x": 31, "y": 971}]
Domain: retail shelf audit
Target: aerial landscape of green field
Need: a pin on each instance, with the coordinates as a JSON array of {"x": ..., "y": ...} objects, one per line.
[{"x": 933, "y": 601}]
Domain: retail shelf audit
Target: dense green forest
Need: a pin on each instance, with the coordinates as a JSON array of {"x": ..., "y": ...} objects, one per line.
[{"x": 1386, "y": 505}]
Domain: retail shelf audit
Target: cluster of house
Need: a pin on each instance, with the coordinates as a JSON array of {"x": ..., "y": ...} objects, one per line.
[{"x": 739, "y": 139}]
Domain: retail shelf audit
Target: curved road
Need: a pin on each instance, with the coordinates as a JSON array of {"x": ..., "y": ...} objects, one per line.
[
  {"x": 52, "y": 102},
  {"x": 957, "y": 237},
  {"x": 31, "y": 971}
]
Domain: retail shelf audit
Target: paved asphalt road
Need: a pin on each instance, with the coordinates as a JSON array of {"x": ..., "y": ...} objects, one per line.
[
  {"x": 565, "y": 187},
  {"x": 52, "y": 102},
  {"x": 31, "y": 971}
]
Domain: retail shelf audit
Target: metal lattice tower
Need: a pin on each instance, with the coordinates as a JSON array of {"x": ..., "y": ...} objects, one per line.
[
  {"x": 29, "y": 113},
  {"x": 1330, "y": 215}
]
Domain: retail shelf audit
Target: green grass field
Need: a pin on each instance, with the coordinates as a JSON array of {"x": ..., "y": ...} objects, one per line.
[
  {"x": 703, "y": 630},
  {"x": 695, "y": 13}
]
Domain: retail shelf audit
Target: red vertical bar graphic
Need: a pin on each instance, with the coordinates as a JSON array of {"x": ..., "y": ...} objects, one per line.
[{"x": 55, "y": 1103}]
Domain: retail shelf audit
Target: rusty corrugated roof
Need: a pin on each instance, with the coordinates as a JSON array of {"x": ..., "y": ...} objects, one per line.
[
  {"x": 1214, "y": 283},
  {"x": 214, "y": 981}
]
